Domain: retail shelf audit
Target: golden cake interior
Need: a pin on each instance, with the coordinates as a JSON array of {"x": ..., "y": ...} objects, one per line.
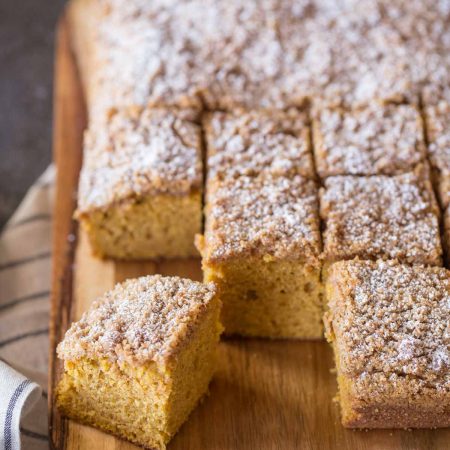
[
  {"x": 143, "y": 404},
  {"x": 269, "y": 297},
  {"x": 153, "y": 226}
]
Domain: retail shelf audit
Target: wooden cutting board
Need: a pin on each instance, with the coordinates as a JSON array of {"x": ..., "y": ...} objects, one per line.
[{"x": 265, "y": 395}]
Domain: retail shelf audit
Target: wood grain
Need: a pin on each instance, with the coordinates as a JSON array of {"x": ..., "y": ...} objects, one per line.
[
  {"x": 266, "y": 394},
  {"x": 69, "y": 123}
]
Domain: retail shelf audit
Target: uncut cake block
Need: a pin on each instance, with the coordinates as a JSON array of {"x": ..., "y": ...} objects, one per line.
[
  {"x": 255, "y": 142},
  {"x": 140, "y": 358},
  {"x": 270, "y": 55},
  {"x": 191, "y": 54},
  {"x": 261, "y": 248},
  {"x": 376, "y": 140},
  {"x": 389, "y": 327},
  {"x": 140, "y": 185},
  {"x": 381, "y": 217},
  {"x": 438, "y": 131}
]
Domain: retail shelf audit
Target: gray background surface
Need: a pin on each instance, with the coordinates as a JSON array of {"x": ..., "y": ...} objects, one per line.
[{"x": 26, "y": 75}]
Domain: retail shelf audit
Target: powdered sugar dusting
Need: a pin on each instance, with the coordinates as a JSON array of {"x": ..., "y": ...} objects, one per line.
[
  {"x": 381, "y": 217},
  {"x": 141, "y": 320},
  {"x": 438, "y": 120},
  {"x": 379, "y": 139},
  {"x": 270, "y": 54},
  {"x": 249, "y": 143},
  {"x": 274, "y": 216},
  {"x": 401, "y": 330},
  {"x": 137, "y": 152}
]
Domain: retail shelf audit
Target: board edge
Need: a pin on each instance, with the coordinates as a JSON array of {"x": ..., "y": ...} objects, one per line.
[{"x": 69, "y": 121}]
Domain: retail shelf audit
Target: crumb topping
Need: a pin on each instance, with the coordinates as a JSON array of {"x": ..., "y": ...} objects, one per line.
[
  {"x": 438, "y": 129},
  {"x": 379, "y": 139},
  {"x": 437, "y": 89},
  {"x": 254, "y": 142},
  {"x": 369, "y": 64},
  {"x": 381, "y": 217},
  {"x": 266, "y": 216},
  {"x": 138, "y": 152},
  {"x": 438, "y": 119},
  {"x": 391, "y": 320},
  {"x": 140, "y": 320},
  {"x": 200, "y": 52},
  {"x": 270, "y": 54}
]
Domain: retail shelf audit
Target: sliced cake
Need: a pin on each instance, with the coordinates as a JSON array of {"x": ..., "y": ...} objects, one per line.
[
  {"x": 261, "y": 248},
  {"x": 140, "y": 359},
  {"x": 258, "y": 142},
  {"x": 389, "y": 327},
  {"x": 141, "y": 184},
  {"x": 376, "y": 140},
  {"x": 381, "y": 217}
]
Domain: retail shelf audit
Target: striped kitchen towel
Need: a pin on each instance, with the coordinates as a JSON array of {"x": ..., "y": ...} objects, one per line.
[{"x": 25, "y": 257}]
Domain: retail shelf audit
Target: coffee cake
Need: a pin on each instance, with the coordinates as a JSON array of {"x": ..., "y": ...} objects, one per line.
[
  {"x": 261, "y": 247},
  {"x": 251, "y": 143},
  {"x": 381, "y": 217},
  {"x": 139, "y": 360},
  {"x": 377, "y": 140},
  {"x": 141, "y": 184},
  {"x": 271, "y": 55},
  {"x": 389, "y": 327}
]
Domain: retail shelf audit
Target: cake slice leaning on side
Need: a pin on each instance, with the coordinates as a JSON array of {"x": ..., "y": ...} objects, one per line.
[
  {"x": 141, "y": 184},
  {"x": 140, "y": 359}
]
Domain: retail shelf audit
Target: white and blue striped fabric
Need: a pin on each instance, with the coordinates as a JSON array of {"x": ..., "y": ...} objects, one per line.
[
  {"x": 18, "y": 397},
  {"x": 25, "y": 258}
]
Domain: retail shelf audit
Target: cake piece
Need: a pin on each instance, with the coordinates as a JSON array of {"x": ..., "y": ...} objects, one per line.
[
  {"x": 251, "y": 143},
  {"x": 261, "y": 248},
  {"x": 438, "y": 131},
  {"x": 376, "y": 140},
  {"x": 140, "y": 359},
  {"x": 389, "y": 327},
  {"x": 381, "y": 217},
  {"x": 366, "y": 58},
  {"x": 141, "y": 184}
]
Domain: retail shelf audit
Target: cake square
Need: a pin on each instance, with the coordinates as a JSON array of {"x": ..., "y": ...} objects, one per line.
[
  {"x": 261, "y": 248},
  {"x": 363, "y": 63},
  {"x": 140, "y": 359},
  {"x": 388, "y": 324},
  {"x": 251, "y": 143},
  {"x": 381, "y": 217},
  {"x": 376, "y": 140},
  {"x": 438, "y": 132},
  {"x": 140, "y": 190}
]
